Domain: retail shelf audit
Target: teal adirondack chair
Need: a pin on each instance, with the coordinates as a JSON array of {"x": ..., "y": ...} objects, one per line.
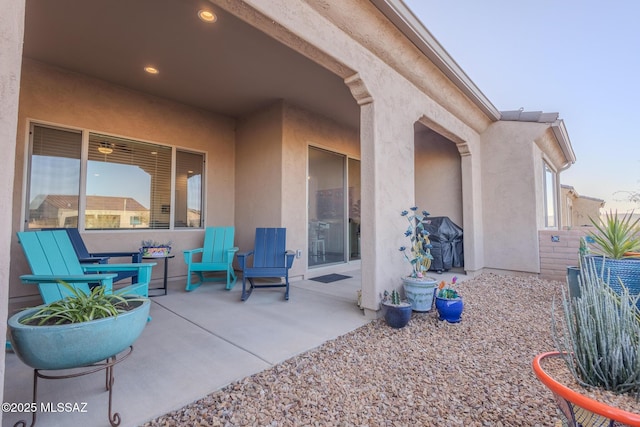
[
  {"x": 217, "y": 255},
  {"x": 52, "y": 259},
  {"x": 270, "y": 259}
]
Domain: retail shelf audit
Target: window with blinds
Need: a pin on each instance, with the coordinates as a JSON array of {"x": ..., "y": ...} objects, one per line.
[
  {"x": 54, "y": 179},
  {"x": 128, "y": 183}
]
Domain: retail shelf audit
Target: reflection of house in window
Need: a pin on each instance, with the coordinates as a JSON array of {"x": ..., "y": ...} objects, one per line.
[{"x": 101, "y": 212}]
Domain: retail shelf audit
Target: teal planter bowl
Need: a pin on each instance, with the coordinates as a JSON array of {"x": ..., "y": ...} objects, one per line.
[{"x": 77, "y": 344}]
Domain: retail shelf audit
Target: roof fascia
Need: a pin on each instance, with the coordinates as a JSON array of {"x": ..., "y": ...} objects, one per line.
[
  {"x": 404, "y": 19},
  {"x": 562, "y": 136}
]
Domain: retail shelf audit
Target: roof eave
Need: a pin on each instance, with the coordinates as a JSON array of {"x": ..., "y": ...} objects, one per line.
[
  {"x": 405, "y": 20},
  {"x": 562, "y": 136}
]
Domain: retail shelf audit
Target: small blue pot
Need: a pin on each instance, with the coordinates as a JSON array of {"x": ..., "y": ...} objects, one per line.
[
  {"x": 449, "y": 309},
  {"x": 397, "y": 316}
]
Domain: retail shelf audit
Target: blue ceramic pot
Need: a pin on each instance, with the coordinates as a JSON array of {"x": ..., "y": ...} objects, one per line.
[
  {"x": 76, "y": 344},
  {"x": 397, "y": 316},
  {"x": 626, "y": 270},
  {"x": 449, "y": 309}
]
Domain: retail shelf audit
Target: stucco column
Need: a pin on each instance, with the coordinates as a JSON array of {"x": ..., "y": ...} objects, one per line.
[
  {"x": 471, "y": 208},
  {"x": 11, "y": 36},
  {"x": 387, "y": 176}
]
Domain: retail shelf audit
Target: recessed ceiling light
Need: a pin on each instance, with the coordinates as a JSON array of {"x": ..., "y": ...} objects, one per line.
[
  {"x": 207, "y": 16},
  {"x": 151, "y": 70}
]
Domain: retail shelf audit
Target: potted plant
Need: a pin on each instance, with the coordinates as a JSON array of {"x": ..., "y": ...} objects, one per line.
[
  {"x": 598, "y": 339},
  {"x": 449, "y": 302},
  {"x": 397, "y": 312},
  {"x": 616, "y": 249},
  {"x": 418, "y": 287},
  {"x": 573, "y": 272},
  {"x": 78, "y": 330},
  {"x": 151, "y": 248}
]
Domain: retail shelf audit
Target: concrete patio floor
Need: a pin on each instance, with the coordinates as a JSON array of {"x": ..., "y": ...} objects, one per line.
[{"x": 196, "y": 343}]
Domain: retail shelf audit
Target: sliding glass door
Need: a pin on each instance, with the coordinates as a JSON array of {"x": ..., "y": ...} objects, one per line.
[{"x": 334, "y": 214}]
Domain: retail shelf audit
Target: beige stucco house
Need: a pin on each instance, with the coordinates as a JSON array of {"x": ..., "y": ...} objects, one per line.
[
  {"x": 578, "y": 209},
  {"x": 325, "y": 117}
]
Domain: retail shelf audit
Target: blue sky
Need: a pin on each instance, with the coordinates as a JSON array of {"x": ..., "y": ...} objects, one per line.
[{"x": 578, "y": 58}]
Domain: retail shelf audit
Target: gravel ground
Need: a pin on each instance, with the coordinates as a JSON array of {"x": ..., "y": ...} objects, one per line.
[{"x": 430, "y": 373}]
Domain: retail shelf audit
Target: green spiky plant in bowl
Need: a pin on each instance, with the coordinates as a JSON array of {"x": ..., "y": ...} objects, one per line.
[
  {"x": 79, "y": 307},
  {"x": 78, "y": 330}
]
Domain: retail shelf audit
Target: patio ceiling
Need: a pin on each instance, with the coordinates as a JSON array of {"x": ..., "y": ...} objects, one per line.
[{"x": 227, "y": 67}]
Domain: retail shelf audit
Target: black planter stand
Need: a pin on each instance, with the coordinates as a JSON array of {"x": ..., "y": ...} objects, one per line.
[{"x": 114, "y": 419}]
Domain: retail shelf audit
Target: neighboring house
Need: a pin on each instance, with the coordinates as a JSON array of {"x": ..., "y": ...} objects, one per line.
[
  {"x": 101, "y": 212},
  {"x": 325, "y": 117},
  {"x": 579, "y": 209}
]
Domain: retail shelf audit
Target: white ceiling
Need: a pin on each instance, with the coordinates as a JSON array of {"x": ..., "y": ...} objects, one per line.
[{"x": 227, "y": 67}]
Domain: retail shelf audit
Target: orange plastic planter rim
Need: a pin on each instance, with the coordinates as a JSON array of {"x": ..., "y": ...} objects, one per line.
[{"x": 580, "y": 400}]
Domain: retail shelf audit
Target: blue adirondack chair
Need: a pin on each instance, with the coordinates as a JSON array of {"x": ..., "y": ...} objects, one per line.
[
  {"x": 51, "y": 256},
  {"x": 87, "y": 257},
  {"x": 217, "y": 255},
  {"x": 270, "y": 259}
]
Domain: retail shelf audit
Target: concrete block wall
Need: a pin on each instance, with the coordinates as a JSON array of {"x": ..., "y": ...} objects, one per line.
[{"x": 559, "y": 250}]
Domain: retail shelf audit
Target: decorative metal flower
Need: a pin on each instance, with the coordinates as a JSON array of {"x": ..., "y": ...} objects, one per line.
[{"x": 419, "y": 255}]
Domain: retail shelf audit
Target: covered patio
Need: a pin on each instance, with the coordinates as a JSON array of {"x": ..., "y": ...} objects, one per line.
[{"x": 196, "y": 343}]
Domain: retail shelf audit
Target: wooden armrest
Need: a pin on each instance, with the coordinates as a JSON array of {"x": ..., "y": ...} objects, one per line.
[
  {"x": 94, "y": 260},
  {"x": 83, "y": 278},
  {"x": 118, "y": 267},
  {"x": 241, "y": 258},
  {"x": 135, "y": 256},
  {"x": 290, "y": 256},
  {"x": 114, "y": 254}
]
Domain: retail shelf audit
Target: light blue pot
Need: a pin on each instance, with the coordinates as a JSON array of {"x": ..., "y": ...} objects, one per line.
[
  {"x": 77, "y": 344},
  {"x": 420, "y": 292}
]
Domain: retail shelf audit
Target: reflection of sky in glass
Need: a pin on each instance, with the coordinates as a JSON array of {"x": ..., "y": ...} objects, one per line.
[
  {"x": 114, "y": 179},
  {"x": 194, "y": 191},
  {"x": 66, "y": 172}
]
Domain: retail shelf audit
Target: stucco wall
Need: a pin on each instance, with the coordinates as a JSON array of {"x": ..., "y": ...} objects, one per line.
[
  {"x": 11, "y": 33},
  {"x": 511, "y": 192},
  {"x": 438, "y": 176},
  {"x": 55, "y": 96},
  {"x": 258, "y": 174},
  {"x": 271, "y": 167}
]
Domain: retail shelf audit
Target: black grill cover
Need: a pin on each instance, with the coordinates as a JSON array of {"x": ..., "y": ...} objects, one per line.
[{"x": 446, "y": 238}]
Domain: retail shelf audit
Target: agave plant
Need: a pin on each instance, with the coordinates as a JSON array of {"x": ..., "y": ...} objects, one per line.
[{"x": 616, "y": 236}]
